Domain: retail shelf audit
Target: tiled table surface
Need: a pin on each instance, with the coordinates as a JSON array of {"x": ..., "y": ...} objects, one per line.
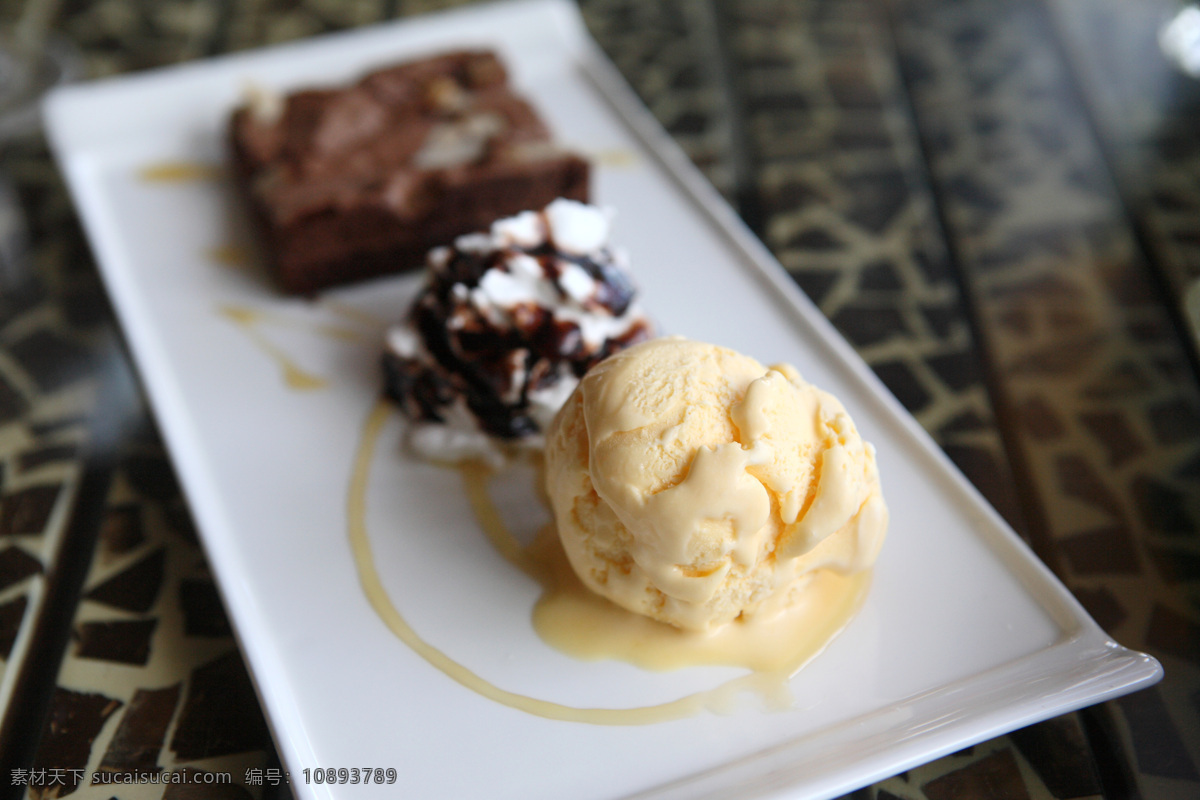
[{"x": 997, "y": 203}]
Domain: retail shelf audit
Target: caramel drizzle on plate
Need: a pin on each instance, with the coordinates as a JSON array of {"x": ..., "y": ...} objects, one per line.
[
  {"x": 178, "y": 172},
  {"x": 565, "y": 624}
]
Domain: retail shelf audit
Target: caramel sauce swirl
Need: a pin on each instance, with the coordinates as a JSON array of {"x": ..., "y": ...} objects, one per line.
[{"x": 579, "y": 623}]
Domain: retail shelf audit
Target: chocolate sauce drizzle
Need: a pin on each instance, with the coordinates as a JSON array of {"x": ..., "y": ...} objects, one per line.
[{"x": 494, "y": 368}]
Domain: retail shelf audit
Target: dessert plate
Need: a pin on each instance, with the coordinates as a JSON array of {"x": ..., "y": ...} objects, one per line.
[{"x": 264, "y": 402}]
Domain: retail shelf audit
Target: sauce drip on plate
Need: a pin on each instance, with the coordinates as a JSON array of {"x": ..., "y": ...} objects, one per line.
[{"x": 574, "y": 620}]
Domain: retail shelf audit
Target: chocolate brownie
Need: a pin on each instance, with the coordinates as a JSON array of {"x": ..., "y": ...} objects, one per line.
[{"x": 353, "y": 182}]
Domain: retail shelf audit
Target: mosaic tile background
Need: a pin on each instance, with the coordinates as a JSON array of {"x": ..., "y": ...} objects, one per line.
[
  {"x": 995, "y": 202},
  {"x": 1092, "y": 378},
  {"x": 53, "y": 345},
  {"x": 1145, "y": 111}
]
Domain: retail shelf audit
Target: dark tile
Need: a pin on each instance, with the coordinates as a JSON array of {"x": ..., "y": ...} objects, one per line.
[
  {"x": 969, "y": 37},
  {"x": 851, "y": 85},
  {"x": 17, "y": 300},
  {"x": 1102, "y": 605},
  {"x": 1170, "y": 199},
  {"x": 813, "y": 240},
  {"x": 151, "y": 475},
  {"x": 1188, "y": 469},
  {"x": 791, "y": 195},
  {"x": 85, "y": 305},
  {"x": 815, "y": 283},
  {"x": 1129, "y": 287},
  {"x": 1048, "y": 137},
  {"x": 1162, "y": 508},
  {"x": 974, "y": 194},
  {"x": 966, "y": 422},
  {"x": 16, "y": 565},
  {"x": 1077, "y": 479},
  {"x": 144, "y": 438},
  {"x": 1156, "y": 741},
  {"x": 1046, "y": 290},
  {"x": 1176, "y": 565},
  {"x": 26, "y": 512},
  {"x": 51, "y": 359},
  {"x": 1016, "y": 320},
  {"x": 878, "y": 200},
  {"x": 688, "y": 123},
  {"x": 1189, "y": 237},
  {"x": 48, "y": 427},
  {"x": 1119, "y": 381},
  {"x": 1063, "y": 358},
  {"x": 933, "y": 262},
  {"x": 906, "y": 386},
  {"x": 221, "y": 714},
  {"x": 121, "y": 641},
  {"x": 1068, "y": 320},
  {"x": 879, "y": 276},
  {"x": 1058, "y": 751},
  {"x": 32, "y": 459},
  {"x": 1104, "y": 551},
  {"x": 1148, "y": 331},
  {"x": 990, "y": 476},
  {"x": 1174, "y": 369},
  {"x": 688, "y": 76},
  {"x": 1087, "y": 179},
  {"x": 198, "y": 788},
  {"x": 1170, "y": 146},
  {"x": 943, "y": 319},
  {"x": 1112, "y": 430},
  {"x": 121, "y": 531},
  {"x": 938, "y": 137},
  {"x": 993, "y": 777},
  {"x": 779, "y": 99},
  {"x": 203, "y": 613},
  {"x": 1170, "y": 632},
  {"x": 1174, "y": 421},
  {"x": 867, "y": 325},
  {"x": 12, "y": 403},
  {"x": 863, "y": 132},
  {"x": 1049, "y": 241},
  {"x": 74, "y": 722},
  {"x": 140, "y": 736},
  {"x": 179, "y": 518},
  {"x": 1040, "y": 419},
  {"x": 12, "y": 614},
  {"x": 957, "y": 370},
  {"x": 134, "y": 588}
]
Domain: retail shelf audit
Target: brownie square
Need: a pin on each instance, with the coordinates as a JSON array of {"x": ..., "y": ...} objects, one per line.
[{"x": 348, "y": 183}]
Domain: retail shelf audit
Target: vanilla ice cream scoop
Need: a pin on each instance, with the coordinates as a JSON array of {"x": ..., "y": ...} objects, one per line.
[{"x": 693, "y": 485}]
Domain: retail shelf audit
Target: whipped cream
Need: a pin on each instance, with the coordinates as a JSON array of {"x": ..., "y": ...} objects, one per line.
[{"x": 507, "y": 323}]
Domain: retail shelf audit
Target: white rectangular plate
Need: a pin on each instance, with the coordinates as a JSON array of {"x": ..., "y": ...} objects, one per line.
[{"x": 965, "y": 634}]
